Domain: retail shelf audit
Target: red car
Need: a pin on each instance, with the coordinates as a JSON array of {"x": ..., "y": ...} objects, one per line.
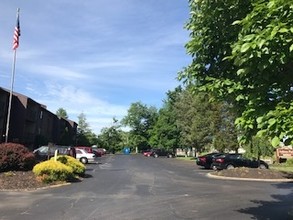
[
  {"x": 100, "y": 151},
  {"x": 87, "y": 149},
  {"x": 147, "y": 153}
]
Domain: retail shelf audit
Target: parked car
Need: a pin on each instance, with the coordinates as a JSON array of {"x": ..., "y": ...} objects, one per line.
[
  {"x": 89, "y": 150},
  {"x": 85, "y": 157},
  {"x": 207, "y": 160},
  {"x": 162, "y": 153},
  {"x": 46, "y": 152},
  {"x": 86, "y": 148},
  {"x": 147, "y": 153},
  {"x": 230, "y": 161},
  {"x": 97, "y": 153},
  {"x": 100, "y": 151}
]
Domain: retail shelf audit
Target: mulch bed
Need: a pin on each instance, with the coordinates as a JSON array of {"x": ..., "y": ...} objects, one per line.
[
  {"x": 20, "y": 180},
  {"x": 254, "y": 173}
]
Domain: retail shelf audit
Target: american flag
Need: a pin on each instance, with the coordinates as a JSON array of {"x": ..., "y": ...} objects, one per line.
[{"x": 16, "y": 33}]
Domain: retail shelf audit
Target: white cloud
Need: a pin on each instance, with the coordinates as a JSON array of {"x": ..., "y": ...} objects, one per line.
[
  {"x": 95, "y": 57},
  {"x": 76, "y": 101}
]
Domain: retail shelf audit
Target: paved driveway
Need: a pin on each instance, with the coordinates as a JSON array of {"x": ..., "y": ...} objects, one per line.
[{"x": 137, "y": 187}]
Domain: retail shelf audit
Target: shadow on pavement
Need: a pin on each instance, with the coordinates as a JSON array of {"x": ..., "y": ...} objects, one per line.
[{"x": 280, "y": 208}]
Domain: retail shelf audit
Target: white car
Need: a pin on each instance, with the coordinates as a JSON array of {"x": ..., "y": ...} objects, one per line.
[{"x": 85, "y": 157}]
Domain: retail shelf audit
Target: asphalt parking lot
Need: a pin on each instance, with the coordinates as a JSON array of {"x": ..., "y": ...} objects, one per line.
[{"x": 137, "y": 187}]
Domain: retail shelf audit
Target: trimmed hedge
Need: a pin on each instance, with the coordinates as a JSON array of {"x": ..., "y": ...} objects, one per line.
[
  {"x": 77, "y": 167},
  {"x": 14, "y": 157},
  {"x": 51, "y": 171}
]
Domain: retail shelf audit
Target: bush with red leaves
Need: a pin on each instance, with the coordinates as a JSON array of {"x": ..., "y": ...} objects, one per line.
[{"x": 14, "y": 157}]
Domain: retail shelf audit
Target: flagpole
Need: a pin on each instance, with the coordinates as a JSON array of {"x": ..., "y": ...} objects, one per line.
[
  {"x": 10, "y": 96},
  {"x": 12, "y": 77}
]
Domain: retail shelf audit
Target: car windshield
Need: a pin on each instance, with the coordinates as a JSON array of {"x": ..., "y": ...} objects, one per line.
[
  {"x": 79, "y": 151},
  {"x": 62, "y": 150},
  {"x": 235, "y": 156},
  {"x": 43, "y": 149},
  {"x": 221, "y": 155}
]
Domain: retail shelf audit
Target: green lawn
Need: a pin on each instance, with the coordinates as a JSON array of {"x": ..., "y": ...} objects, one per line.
[
  {"x": 186, "y": 158},
  {"x": 282, "y": 167}
]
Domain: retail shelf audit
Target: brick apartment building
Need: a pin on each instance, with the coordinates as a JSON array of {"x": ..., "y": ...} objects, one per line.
[{"x": 31, "y": 124}]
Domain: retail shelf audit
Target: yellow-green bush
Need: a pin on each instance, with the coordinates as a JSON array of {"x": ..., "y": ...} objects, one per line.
[
  {"x": 50, "y": 171},
  {"x": 77, "y": 167}
]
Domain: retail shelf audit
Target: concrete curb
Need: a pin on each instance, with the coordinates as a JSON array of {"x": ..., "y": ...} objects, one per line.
[
  {"x": 35, "y": 189},
  {"x": 53, "y": 186},
  {"x": 248, "y": 179}
]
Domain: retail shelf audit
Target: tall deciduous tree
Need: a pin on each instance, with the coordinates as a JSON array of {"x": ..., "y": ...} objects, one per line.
[
  {"x": 242, "y": 52},
  {"x": 141, "y": 119},
  {"x": 263, "y": 55},
  {"x": 111, "y": 137}
]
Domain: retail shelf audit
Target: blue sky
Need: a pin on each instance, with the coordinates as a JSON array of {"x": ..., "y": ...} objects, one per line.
[{"x": 94, "y": 56}]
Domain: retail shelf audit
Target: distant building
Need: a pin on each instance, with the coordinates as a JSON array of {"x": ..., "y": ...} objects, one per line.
[{"x": 32, "y": 124}]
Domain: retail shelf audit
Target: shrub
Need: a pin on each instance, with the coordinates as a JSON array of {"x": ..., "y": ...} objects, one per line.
[
  {"x": 52, "y": 171},
  {"x": 77, "y": 167},
  {"x": 15, "y": 157}
]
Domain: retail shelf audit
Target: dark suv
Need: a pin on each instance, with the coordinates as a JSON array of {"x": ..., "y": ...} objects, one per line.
[
  {"x": 162, "y": 153},
  {"x": 230, "y": 161}
]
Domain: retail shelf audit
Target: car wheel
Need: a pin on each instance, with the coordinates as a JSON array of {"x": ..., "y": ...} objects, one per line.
[
  {"x": 207, "y": 167},
  {"x": 213, "y": 167},
  {"x": 230, "y": 166},
  {"x": 156, "y": 155},
  {"x": 84, "y": 160},
  {"x": 262, "y": 166},
  {"x": 170, "y": 156}
]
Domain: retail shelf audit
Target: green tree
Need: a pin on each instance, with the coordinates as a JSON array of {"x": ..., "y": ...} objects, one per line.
[
  {"x": 111, "y": 138},
  {"x": 259, "y": 146},
  {"x": 92, "y": 138},
  {"x": 226, "y": 134},
  {"x": 242, "y": 52},
  {"x": 194, "y": 119},
  {"x": 212, "y": 33},
  {"x": 263, "y": 57},
  {"x": 61, "y": 113},
  {"x": 65, "y": 138},
  {"x": 165, "y": 132},
  {"x": 83, "y": 125},
  {"x": 205, "y": 124},
  {"x": 140, "y": 119},
  {"x": 84, "y": 134}
]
